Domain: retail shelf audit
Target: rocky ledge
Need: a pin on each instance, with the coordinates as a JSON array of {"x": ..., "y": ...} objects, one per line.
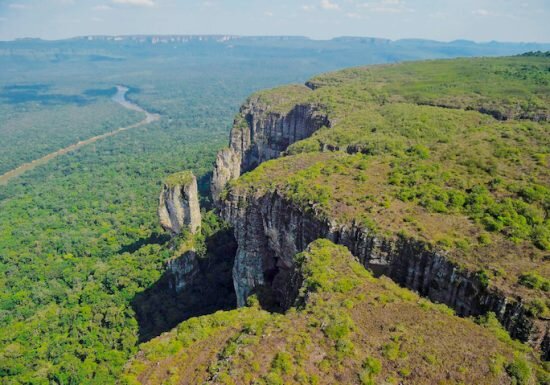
[{"x": 270, "y": 229}]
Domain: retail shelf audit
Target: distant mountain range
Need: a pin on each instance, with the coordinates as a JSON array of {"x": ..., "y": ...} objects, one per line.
[{"x": 156, "y": 39}]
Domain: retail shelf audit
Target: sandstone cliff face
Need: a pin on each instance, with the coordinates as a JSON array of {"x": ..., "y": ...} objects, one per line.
[
  {"x": 269, "y": 230},
  {"x": 179, "y": 204},
  {"x": 261, "y": 134},
  {"x": 226, "y": 168}
]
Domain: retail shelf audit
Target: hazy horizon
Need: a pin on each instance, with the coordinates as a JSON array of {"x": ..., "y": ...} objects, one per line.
[
  {"x": 273, "y": 36},
  {"x": 479, "y": 21}
]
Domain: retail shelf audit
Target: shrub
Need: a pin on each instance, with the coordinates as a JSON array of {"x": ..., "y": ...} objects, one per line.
[
  {"x": 391, "y": 351},
  {"x": 497, "y": 364},
  {"x": 273, "y": 379},
  {"x": 520, "y": 371},
  {"x": 533, "y": 280},
  {"x": 483, "y": 278},
  {"x": 537, "y": 308},
  {"x": 372, "y": 366},
  {"x": 282, "y": 363},
  {"x": 422, "y": 151},
  {"x": 344, "y": 347},
  {"x": 484, "y": 239},
  {"x": 339, "y": 327}
]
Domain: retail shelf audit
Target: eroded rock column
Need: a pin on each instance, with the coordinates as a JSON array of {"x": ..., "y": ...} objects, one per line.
[{"x": 179, "y": 208}]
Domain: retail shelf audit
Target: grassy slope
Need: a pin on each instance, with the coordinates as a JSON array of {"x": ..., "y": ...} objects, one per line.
[
  {"x": 461, "y": 180},
  {"x": 348, "y": 328}
]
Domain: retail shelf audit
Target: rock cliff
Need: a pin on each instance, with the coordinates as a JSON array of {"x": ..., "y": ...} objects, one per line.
[
  {"x": 179, "y": 204},
  {"x": 260, "y": 133},
  {"x": 270, "y": 230}
]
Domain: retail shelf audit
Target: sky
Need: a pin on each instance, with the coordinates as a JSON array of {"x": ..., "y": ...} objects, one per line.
[{"x": 444, "y": 20}]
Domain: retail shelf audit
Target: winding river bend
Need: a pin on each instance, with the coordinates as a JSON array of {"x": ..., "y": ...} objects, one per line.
[{"x": 120, "y": 98}]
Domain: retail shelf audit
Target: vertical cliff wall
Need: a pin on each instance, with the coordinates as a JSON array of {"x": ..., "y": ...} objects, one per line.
[
  {"x": 182, "y": 271},
  {"x": 270, "y": 230},
  {"x": 179, "y": 204},
  {"x": 261, "y": 133}
]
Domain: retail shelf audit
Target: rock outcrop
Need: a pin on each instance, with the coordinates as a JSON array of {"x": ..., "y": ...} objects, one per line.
[
  {"x": 179, "y": 204},
  {"x": 259, "y": 134},
  {"x": 226, "y": 168},
  {"x": 270, "y": 230}
]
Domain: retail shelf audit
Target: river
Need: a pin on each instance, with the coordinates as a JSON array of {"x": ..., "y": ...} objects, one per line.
[{"x": 120, "y": 98}]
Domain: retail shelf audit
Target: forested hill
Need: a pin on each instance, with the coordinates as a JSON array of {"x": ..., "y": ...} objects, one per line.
[{"x": 432, "y": 174}]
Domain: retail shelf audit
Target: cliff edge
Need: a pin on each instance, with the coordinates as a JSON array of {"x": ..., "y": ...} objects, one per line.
[{"x": 411, "y": 168}]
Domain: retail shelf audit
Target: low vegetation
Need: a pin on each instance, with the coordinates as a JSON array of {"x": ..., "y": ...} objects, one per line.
[{"x": 179, "y": 179}]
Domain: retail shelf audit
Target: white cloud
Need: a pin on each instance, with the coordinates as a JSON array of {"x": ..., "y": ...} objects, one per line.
[
  {"x": 102, "y": 8},
  {"x": 308, "y": 8},
  {"x": 327, "y": 4},
  {"x": 269, "y": 13},
  {"x": 97, "y": 19},
  {"x": 139, "y": 3}
]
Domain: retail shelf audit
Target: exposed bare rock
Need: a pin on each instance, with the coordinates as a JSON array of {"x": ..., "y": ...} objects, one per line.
[
  {"x": 227, "y": 167},
  {"x": 179, "y": 204},
  {"x": 270, "y": 230},
  {"x": 261, "y": 133}
]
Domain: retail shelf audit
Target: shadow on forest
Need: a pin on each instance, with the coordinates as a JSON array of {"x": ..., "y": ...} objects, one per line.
[
  {"x": 153, "y": 239},
  {"x": 40, "y": 93},
  {"x": 161, "y": 307}
]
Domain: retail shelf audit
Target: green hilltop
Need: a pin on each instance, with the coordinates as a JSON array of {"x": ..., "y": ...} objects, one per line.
[{"x": 179, "y": 179}]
